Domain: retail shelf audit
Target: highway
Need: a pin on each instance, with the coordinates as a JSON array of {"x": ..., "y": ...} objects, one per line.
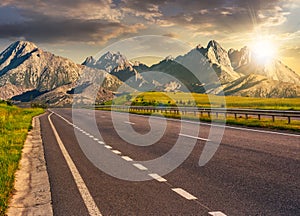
[{"x": 253, "y": 172}]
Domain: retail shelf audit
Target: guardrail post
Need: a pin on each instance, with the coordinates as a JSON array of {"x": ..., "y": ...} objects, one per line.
[
  {"x": 235, "y": 115},
  {"x": 258, "y": 116},
  {"x": 289, "y": 120},
  {"x": 246, "y": 115},
  {"x": 273, "y": 118}
]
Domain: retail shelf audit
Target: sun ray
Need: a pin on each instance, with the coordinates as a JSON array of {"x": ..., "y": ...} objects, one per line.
[{"x": 264, "y": 50}]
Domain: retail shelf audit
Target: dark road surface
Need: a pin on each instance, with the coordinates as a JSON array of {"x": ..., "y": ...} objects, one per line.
[{"x": 253, "y": 172}]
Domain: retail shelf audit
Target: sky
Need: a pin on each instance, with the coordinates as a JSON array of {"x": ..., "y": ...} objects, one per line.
[{"x": 79, "y": 28}]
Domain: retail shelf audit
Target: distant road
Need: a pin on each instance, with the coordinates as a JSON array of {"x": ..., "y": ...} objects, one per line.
[{"x": 254, "y": 171}]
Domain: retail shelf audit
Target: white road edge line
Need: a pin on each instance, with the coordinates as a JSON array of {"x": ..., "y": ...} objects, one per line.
[
  {"x": 184, "y": 193},
  {"x": 108, "y": 146},
  {"x": 85, "y": 194},
  {"x": 157, "y": 177},
  {"x": 217, "y": 213},
  {"x": 194, "y": 137},
  {"x": 140, "y": 166},
  {"x": 127, "y": 158}
]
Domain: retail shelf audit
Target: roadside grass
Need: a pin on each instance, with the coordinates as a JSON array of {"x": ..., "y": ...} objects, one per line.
[
  {"x": 14, "y": 125},
  {"x": 205, "y": 101},
  {"x": 279, "y": 124}
]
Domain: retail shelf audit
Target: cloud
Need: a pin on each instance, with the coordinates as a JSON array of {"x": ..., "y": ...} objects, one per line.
[
  {"x": 63, "y": 21},
  {"x": 171, "y": 35},
  {"x": 72, "y": 9},
  {"x": 221, "y": 16},
  {"x": 290, "y": 52},
  {"x": 99, "y": 21},
  {"x": 149, "y": 10},
  {"x": 42, "y": 28}
]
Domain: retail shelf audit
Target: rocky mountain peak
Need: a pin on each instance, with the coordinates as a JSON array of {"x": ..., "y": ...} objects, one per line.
[
  {"x": 240, "y": 57},
  {"x": 17, "y": 50},
  {"x": 214, "y": 44},
  {"x": 217, "y": 55},
  {"x": 89, "y": 61},
  {"x": 199, "y": 46},
  {"x": 169, "y": 58},
  {"x": 114, "y": 56},
  {"x": 108, "y": 61},
  {"x": 23, "y": 45}
]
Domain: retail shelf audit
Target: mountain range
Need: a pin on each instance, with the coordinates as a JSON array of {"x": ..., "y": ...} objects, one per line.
[{"x": 28, "y": 73}]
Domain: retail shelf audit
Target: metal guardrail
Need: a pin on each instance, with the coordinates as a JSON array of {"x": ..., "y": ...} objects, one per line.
[{"x": 210, "y": 111}]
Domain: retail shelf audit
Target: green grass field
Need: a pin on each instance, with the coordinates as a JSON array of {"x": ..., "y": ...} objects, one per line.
[
  {"x": 14, "y": 125},
  {"x": 207, "y": 101},
  {"x": 202, "y": 100}
]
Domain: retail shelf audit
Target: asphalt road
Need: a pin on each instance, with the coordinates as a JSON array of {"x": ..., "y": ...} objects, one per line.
[{"x": 253, "y": 172}]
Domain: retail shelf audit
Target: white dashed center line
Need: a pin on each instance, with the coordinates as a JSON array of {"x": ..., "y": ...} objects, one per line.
[
  {"x": 217, "y": 213},
  {"x": 93, "y": 209},
  {"x": 140, "y": 166},
  {"x": 157, "y": 177},
  {"x": 127, "y": 158},
  {"x": 127, "y": 122},
  {"x": 193, "y": 137},
  {"x": 184, "y": 193},
  {"x": 116, "y": 152}
]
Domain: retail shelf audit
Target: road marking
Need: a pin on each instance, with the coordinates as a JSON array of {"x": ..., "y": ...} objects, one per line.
[
  {"x": 157, "y": 177},
  {"x": 116, "y": 152},
  {"x": 193, "y": 137},
  {"x": 85, "y": 194},
  {"x": 108, "y": 146},
  {"x": 217, "y": 213},
  {"x": 140, "y": 166},
  {"x": 91, "y": 136},
  {"x": 101, "y": 142},
  {"x": 184, "y": 193},
  {"x": 96, "y": 139},
  {"x": 127, "y": 122},
  {"x": 127, "y": 158}
]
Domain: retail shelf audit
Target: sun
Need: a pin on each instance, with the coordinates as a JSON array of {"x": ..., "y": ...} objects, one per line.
[{"x": 264, "y": 50}]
